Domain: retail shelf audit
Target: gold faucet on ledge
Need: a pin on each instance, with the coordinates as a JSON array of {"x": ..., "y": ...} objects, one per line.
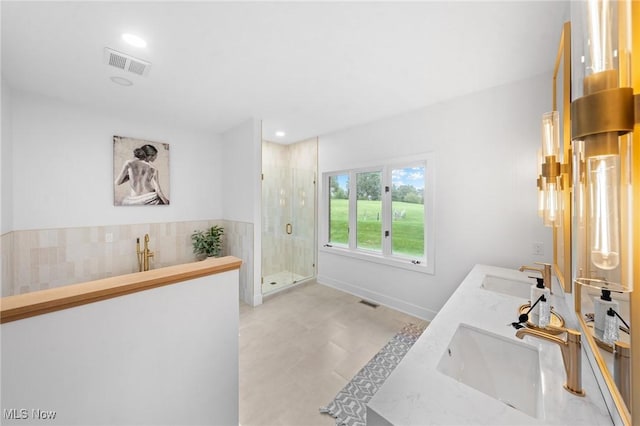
[
  {"x": 545, "y": 271},
  {"x": 571, "y": 350},
  {"x": 143, "y": 255}
]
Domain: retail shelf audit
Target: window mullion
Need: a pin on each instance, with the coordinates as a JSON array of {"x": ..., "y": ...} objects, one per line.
[
  {"x": 386, "y": 211},
  {"x": 353, "y": 203}
]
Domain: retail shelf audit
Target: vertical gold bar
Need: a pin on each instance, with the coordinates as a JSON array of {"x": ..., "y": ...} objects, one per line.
[
  {"x": 562, "y": 234},
  {"x": 567, "y": 158},
  {"x": 635, "y": 295}
]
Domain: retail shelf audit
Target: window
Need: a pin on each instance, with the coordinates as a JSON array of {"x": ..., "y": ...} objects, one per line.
[
  {"x": 407, "y": 210},
  {"x": 368, "y": 211},
  {"x": 383, "y": 213},
  {"x": 339, "y": 209}
]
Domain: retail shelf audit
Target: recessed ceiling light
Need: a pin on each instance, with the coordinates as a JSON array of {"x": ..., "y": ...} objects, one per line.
[
  {"x": 280, "y": 133},
  {"x": 134, "y": 40},
  {"x": 121, "y": 81}
]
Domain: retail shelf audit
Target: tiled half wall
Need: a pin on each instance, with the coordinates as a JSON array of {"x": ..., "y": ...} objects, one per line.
[{"x": 44, "y": 258}]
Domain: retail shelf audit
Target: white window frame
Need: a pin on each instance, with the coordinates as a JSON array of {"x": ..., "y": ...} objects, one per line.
[
  {"x": 426, "y": 264},
  {"x": 353, "y": 214},
  {"x": 327, "y": 205}
]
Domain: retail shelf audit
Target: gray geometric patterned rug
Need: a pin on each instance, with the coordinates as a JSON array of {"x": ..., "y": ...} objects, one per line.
[{"x": 349, "y": 407}]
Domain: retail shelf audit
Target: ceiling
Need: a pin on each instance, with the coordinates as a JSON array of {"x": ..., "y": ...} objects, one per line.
[{"x": 306, "y": 68}]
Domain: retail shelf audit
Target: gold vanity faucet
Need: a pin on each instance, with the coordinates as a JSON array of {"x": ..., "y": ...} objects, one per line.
[
  {"x": 545, "y": 271},
  {"x": 571, "y": 350},
  {"x": 143, "y": 255}
]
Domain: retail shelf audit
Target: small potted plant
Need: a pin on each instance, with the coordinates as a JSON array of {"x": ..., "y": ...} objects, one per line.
[{"x": 208, "y": 243}]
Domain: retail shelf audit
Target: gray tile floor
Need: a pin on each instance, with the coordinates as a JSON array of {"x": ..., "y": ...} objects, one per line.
[{"x": 299, "y": 348}]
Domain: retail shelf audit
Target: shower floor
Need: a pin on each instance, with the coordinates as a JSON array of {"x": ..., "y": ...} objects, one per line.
[{"x": 279, "y": 280}]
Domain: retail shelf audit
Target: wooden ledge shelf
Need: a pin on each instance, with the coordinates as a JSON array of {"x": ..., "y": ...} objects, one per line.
[{"x": 27, "y": 305}]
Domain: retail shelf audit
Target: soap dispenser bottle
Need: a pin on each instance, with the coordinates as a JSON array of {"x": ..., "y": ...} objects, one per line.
[
  {"x": 544, "y": 312},
  {"x": 538, "y": 290},
  {"x": 611, "y": 333},
  {"x": 601, "y": 306}
]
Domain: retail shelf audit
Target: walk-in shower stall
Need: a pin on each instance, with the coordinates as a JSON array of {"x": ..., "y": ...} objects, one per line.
[{"x": 288, "y": 214}]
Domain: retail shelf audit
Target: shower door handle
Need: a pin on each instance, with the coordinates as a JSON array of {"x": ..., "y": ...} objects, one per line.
[{"x": 289, "y": 228}]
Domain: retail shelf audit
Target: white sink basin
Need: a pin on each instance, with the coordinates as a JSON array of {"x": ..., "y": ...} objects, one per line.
[
  {"x": 507, "y": 286},
  {"x": 504, "y": 369}
]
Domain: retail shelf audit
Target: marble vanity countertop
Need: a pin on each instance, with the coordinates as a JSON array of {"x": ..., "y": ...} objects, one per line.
[{"x": 416, "y": 393}]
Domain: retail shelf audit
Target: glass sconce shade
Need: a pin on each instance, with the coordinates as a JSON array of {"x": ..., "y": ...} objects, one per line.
[
  {"x": 541, "y": 197},
  {"x": 579, "y": 178},
  {"x": 603, "y": 181},
  {"x": 549, "y": 188},
  {"x": 550, "y": 134},
  {"x": 604, "y": 253},
  {"x": 600, "y": 28},
  {"x": 540, "y": 185},
  {"x": 602, "y": 117},
  {"x": 552, "y": 206}
]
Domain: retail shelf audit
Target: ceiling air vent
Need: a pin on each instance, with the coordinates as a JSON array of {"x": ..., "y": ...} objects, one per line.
[{"x": 126, "y": 62}]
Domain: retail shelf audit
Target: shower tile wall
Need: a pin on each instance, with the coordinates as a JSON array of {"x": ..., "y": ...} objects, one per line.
[
  {"x": 238, "y": 242},
  {"x": 275, "y": 196},
  {"x": 6, "y": 251},
  {"x": 45, "y": 258}
]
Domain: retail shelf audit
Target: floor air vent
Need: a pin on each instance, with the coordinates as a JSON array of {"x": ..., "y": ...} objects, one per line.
[
  {"x": 126, "y": 62},
  {"x": 371, "y": 304}
]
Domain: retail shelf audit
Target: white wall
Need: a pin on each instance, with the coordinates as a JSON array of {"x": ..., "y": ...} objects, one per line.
[
  {"x": 485, "y": 148},
  {"x": 168, "y": 356},
  {"x": 63, "y": 167},
  {"x": 242, "y": 190},
  {"x": 6, "y": 165},
  {"x": 6, "y": 197},
  {"x": 241, "y": 170}
]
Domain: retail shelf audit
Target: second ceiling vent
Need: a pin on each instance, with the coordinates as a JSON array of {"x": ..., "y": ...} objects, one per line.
[{"x": 126, "y": 62}]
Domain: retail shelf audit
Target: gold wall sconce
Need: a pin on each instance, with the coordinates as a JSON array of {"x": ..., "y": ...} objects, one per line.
[
  {"x": 550, "y": 174},
  {"x": 551, "y": 183},
  {"x": 554, "y": 177},
  {"x": 601, "y": 122},
  {"x": 606, "y": 186}
]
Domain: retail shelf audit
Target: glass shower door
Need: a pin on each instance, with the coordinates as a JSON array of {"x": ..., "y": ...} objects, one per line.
[
  {"x": 288, "y": 227},
  {"x": 303, "y": 224},
  {"x": 276, "y": 214}
]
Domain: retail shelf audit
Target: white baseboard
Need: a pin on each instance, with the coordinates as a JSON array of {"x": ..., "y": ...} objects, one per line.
[{"x": 382, "y": 299}]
